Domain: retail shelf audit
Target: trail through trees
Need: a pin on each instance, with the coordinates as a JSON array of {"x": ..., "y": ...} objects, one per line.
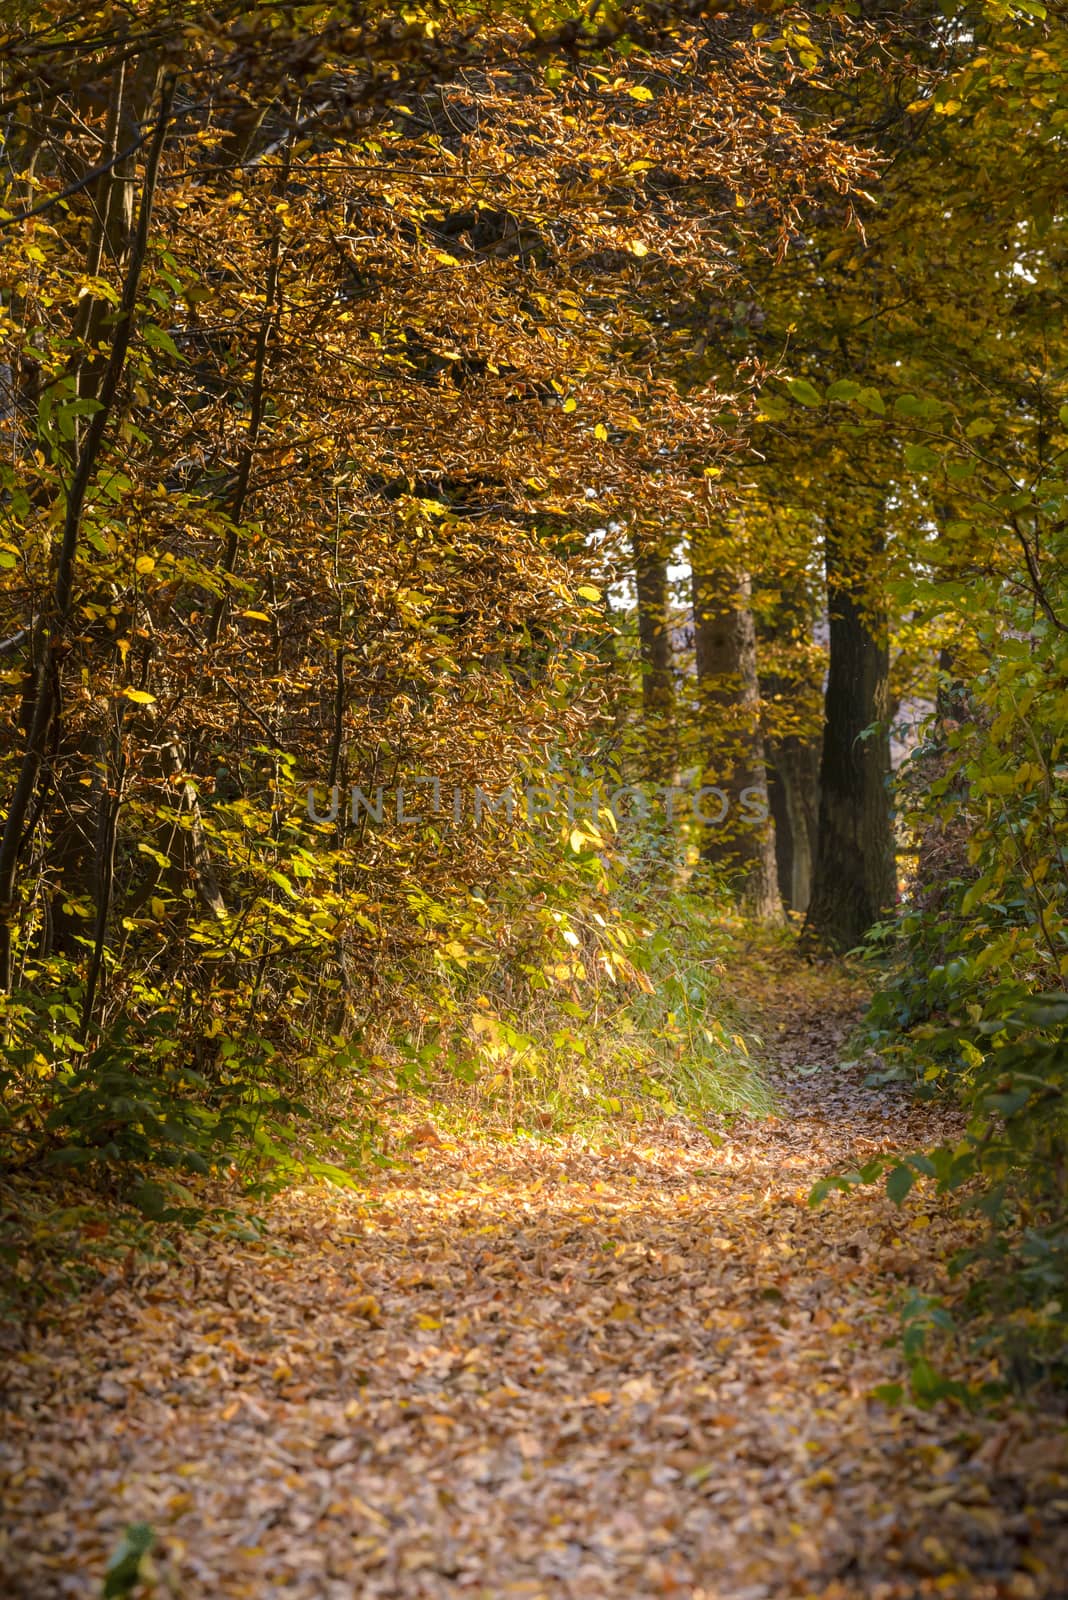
[{"x": 541, "y": 1370}]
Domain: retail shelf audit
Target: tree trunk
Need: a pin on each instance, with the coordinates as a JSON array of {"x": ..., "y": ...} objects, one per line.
[
  {"x": 854, "y": 881},
  {"x": 793, "y": 695},
  {"x": 51, "y": 636},
  {"x": 615, "y": 677},
  {"x": 658, "y": 681},
  {"x": 794, "y": 786},
  {"x": 79, "y": 764},
  {"x": 741, "y": 843},
  {"x": 942, "y": 859}
]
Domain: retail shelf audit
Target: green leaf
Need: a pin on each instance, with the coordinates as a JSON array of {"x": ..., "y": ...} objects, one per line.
[
  {"x": 918, "y": 405},
  {"x": 123, "y": 1571},
  {"x": 899, "y": 1182},
  {"x": 844, "y": 389},
  {"x": 872, "y": 400},
  {"x": 802, "y": 390},
  {"x": 160, "y": 339},
  {"x": 921, "y": 458}
]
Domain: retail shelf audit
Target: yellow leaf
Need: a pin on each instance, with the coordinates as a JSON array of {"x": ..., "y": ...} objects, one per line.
[
  {"x": 366, "y": 1306},
  {"x": 144, "y": 564}
]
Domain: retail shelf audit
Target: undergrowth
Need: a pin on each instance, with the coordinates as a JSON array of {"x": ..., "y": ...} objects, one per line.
[
  {"x": 973, "y": 1000},
  {"x": 597, "y": 1053},
  {"x": 585, "y": 1006}
]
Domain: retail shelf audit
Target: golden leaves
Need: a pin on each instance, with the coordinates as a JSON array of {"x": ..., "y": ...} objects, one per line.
[{"x": 645, "y": 1352}]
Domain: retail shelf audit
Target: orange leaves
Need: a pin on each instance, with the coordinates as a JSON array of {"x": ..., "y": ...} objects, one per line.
[{"x": 448, "y": 1372}]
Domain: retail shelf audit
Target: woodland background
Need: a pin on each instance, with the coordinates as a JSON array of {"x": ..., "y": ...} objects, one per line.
[{"x": 663, "y": 394}]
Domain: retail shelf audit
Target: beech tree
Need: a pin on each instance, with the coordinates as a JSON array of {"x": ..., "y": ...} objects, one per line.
[
  {"x": 656, "y": 665},
  {"x": 853, "y": 881},
  {"x": 741, "y": 840}
]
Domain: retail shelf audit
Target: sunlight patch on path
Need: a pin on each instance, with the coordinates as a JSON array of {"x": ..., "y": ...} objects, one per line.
[{"x": 536, "y": 1371}]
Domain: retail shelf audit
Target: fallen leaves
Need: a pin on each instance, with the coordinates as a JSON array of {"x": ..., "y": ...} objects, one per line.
[{"x": 536, "y": 1370}]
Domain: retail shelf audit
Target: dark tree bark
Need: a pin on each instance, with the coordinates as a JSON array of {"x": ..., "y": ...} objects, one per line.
[
  {"x": 44, "y": 698},
  {"x": 658, "y": 679},
  {"x": 742, "y": 843},
  {"x": 854, "y": 881},
  {"x": 794, "y": 789},
  {"x": 788, "y": 685},
  {"x": 79, "y": 766}
]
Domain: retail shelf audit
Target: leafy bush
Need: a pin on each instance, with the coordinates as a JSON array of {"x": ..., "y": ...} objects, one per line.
[{"x": 974, "y": 1000}]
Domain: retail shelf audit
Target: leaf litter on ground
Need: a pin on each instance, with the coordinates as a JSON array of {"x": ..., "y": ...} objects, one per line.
[{"x": 544, "y": 1370}]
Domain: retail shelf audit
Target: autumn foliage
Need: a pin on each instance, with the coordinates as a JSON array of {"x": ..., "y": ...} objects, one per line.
[{"x": 366, "y": 380}]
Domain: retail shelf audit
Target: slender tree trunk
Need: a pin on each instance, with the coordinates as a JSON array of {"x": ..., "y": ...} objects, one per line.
[
  {"x": 658, "y": 681},
  {"x": 257, "y": 401},
  {"x": 615, "y": 674},
  {"x": 80, "y": 762},
  {"x": 50, "y": 636},
  {"x": 107, "y": 833},
  {"x": 942, "y": 858},
  {"x": 741, "y": 843},
  {"x": 790, "y": 688},
  {"x": 854, "y": 881},
  {"x": 794, "y": 785},
  {"x": 183, "y": 849}
]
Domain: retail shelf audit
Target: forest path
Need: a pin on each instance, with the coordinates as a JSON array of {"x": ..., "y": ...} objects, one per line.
[{"x": 531, "y": 1371}]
